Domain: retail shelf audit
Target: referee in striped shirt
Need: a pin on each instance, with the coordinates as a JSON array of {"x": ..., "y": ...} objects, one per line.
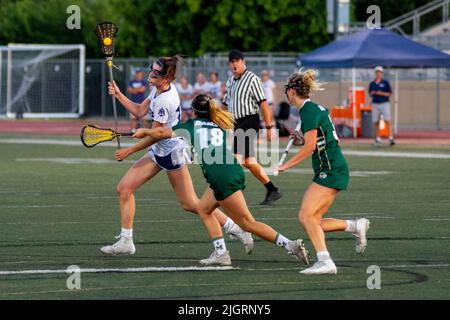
[{"x": 244, "y": 97}]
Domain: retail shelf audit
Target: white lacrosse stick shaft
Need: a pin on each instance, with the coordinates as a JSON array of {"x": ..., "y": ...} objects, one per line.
[{"x": 286, "y": 150}]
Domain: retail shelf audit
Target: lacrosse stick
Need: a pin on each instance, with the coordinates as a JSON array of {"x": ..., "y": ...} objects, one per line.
[
  {"x": 106, "y": 31},
  {"x": 286, "y": 150},
  {"x": 91, "y": 135}
]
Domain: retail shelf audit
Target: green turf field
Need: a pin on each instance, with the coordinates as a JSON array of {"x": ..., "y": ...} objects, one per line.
[{"x": 58, "y": 207}]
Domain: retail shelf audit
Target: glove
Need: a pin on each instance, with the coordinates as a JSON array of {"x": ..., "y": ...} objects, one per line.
[{"x": 299, "y": 140}]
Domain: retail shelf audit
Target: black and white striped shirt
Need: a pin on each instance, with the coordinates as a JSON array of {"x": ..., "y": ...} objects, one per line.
[{"x": 244, "y": 95}]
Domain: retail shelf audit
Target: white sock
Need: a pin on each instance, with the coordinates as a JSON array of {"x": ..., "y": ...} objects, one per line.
[
  {"x": 127, "y": 233},
  {"x": 282, "y": 241},
  {"x": 351, "y": 226},
  {"x": 228, "y": 225},
  {"x": 220, "y": 246},
  {"x": 323, "y": 255}
]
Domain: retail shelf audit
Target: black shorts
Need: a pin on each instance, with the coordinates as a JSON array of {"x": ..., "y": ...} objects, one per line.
[{"x": 245, "y": 135}]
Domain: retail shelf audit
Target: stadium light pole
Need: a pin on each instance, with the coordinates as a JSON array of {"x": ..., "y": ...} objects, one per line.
[{"x": 335, "y": 18}]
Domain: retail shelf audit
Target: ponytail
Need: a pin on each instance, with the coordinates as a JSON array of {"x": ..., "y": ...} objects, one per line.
[
  {"x": 303, "y": 82},
  {"x": 222, "y": 118},
  {"x": 171, "y": 66}
]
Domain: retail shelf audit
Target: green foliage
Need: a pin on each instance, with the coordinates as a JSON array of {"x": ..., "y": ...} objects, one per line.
[
  {"x": 28, "y": 21},
  {"x": 190, "y": 27}
]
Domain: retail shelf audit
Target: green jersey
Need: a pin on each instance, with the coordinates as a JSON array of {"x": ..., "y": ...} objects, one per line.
[
  {"x": 220, "y": 168},
  {"x": 327, "y": 155}
]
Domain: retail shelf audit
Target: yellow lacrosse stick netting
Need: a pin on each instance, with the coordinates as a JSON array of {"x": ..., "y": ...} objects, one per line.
[{"x": 92, "y": 135}]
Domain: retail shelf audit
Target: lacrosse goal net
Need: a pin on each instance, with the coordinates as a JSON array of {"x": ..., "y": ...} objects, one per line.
[{"x": 42, "y": 81}]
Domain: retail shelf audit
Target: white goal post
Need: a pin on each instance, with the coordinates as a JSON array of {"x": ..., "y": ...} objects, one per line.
[{"x": 42, "y": 81}]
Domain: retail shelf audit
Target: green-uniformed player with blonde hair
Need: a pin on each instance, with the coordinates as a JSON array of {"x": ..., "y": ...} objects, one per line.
[
  {"x": 226, "y": 178},
  {"x": 331, "y": 173}
]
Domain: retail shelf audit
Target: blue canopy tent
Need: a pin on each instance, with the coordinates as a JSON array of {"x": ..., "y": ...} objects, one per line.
[{"x": 372, "y": 47}]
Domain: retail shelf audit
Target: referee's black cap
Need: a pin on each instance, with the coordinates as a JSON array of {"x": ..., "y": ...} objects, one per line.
[{"x": 235, "y": 54}]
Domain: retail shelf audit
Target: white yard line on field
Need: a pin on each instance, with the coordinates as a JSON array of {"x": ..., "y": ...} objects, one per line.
[{"x": 374, "y": 153}]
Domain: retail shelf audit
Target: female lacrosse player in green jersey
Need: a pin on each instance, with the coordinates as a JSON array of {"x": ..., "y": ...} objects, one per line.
[
  {"x": 169, "y": 155},
  {"x": 331, "y": 173},
  {"x": 226, "y": 178}
]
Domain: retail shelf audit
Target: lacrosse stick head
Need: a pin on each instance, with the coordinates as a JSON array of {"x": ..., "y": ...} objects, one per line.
[
  {"x": 106, "y": 32},
  {"x": 91, "y": 135}
]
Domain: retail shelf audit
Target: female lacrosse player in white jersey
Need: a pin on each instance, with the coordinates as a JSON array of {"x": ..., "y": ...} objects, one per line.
[{"x": 169, "y": 155}]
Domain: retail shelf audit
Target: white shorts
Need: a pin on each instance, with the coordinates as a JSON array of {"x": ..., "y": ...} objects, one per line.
[
  {"x": 381, "y": 109},
  {"x": 174, "y": 160}
]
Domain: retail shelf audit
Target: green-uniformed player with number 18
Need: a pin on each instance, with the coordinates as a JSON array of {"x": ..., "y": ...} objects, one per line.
[
  {"x": 331, "y": 173},
  {"x": 226, "y": 179}
]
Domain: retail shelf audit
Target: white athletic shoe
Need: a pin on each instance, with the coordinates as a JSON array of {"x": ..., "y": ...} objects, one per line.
[
  {"x": 321, "y": 267},
  {"x": 245, "y": 237},
  {"x": 124, "y": 246},
  {"x": 362, "y": 225},
  {"x": 216, "y": 259},
  {"x": 297, "y": 249}
]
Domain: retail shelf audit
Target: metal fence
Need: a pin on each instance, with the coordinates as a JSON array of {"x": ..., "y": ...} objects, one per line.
[{"x": 280, "y": 66}]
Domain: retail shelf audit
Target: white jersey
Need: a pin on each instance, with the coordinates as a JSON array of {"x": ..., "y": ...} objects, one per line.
[
  {"x": 185, "y": 104},
  {"x": 268, "y": 86},
  {"x": 165, "y": 108}
]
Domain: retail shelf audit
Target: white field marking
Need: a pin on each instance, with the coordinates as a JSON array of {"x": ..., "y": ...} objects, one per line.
[
  {"x": 98, "y": 222},
  {"x": 436, "y": 219},
  {"x": 74, "y": 160},
  {"x": 269, "y": 171},
  {"x": 189, "y": 269},
  {"x": 382, "y": 154},
  {"x": 118, "y": 270}
]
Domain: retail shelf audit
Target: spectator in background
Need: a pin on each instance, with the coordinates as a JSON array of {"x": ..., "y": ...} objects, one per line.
[
  {"x": 214, "y": 87},
  {"x": 380, "y": 91},
  {"x": 269, "y": 89},
  {"x": 223, "y": 90},
  {"x": 186, "y": 92},
  {"x": 136, "y": 90},
  {"x": 201, "y": 86}
]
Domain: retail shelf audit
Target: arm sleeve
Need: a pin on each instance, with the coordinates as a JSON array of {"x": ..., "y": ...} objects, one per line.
[
  {"x": 257, "y": 90},
  {"x": 388, "y": 87},
  {"x": 310, "y": 119}
]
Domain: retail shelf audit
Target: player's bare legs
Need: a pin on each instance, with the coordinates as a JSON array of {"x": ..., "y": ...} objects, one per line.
[
  {"x": 315, "y": 200},
  {"x": 236, "y": 207},
  {"x": 141, "y": 172},
  {"x": 181, "y": 182}
]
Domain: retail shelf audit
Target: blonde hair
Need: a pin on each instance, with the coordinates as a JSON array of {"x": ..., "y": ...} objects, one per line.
[
  {"x": 204, "y": 105},
  {"x": 303, "y": 82},
  {"x": 222, "y": 118}
]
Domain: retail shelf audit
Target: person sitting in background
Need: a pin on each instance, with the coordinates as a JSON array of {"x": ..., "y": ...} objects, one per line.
[
  {"x": 186, "y": 93},
  {"x": 201, "y": 86},
  {"x": 136, "y": 90},
  {"x": 380, "y": 91}
]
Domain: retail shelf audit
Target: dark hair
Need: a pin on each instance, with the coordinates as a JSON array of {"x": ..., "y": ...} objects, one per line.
[
  {"x": 204, "y": 106},
  {"x": 170, "y": 66}
]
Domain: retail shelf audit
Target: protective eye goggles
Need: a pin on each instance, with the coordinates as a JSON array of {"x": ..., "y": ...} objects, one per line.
[
  {"x": 157, "y": 73},
  {"x": 293, "y": 85}
]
